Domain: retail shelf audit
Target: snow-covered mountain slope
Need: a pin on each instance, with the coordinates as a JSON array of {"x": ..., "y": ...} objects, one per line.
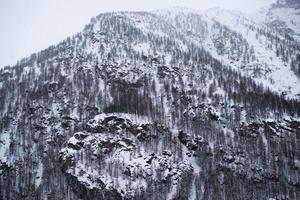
[
  {"x": 283, "y": 16},
  {"x": 259, "y": 55},
  {"x": 153, "y": 105},
  {"x": 244, "y": 44}
]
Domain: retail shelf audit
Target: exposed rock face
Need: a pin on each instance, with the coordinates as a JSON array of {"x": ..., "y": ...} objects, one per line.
[
  {"x": 126, "y": 158},
  {"x": 145, "y": 106},
  {"x": 110, "y": 160}
]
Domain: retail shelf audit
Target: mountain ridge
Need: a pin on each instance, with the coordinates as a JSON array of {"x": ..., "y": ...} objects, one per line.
[
  {"x": 143, "y": 106},
  {"x": 239, "y": 19}
]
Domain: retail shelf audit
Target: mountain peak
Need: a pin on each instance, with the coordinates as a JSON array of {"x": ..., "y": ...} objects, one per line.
[
  {"x": 175, "y": 10},
  {"x": 169, "y": 104}
]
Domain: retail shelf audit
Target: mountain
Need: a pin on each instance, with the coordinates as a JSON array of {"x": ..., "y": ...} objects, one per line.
[
  {"x": 168, "y": 104},
  {"x": 284, "y": 16},
  {"x": 244, "y": 44}
]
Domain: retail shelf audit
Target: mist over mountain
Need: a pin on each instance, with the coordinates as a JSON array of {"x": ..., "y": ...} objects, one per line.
[{"x": 168, "y": 104}]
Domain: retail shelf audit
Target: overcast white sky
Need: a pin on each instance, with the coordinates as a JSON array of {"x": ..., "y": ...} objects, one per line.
[{"x": 27, "y": 26}]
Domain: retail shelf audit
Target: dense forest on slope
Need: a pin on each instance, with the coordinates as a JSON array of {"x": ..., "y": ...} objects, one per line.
[{"x": 136, "y": 106}]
